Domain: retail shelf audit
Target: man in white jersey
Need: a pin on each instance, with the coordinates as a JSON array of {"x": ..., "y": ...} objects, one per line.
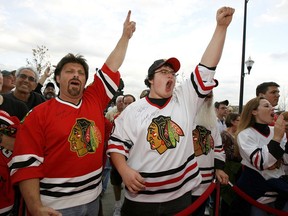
[{"x": 151, "y": 145}]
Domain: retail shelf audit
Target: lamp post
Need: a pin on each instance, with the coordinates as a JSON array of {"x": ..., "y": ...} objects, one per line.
[
  {"x": 249, "y": 63},
  {"x": 243, "y": 59}
]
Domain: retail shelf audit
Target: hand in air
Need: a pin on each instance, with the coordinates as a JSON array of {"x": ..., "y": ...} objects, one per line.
[
  {"x": 129, "y": 26},
  {"x": 224, "y": 16}
]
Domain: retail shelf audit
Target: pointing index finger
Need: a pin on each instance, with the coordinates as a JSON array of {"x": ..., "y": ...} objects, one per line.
[{"x": 128, "y": 17}]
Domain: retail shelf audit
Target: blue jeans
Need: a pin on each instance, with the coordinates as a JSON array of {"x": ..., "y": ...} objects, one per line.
[
  {"x": 89, "y": 209},
  {"x": 106, "y": 175}
]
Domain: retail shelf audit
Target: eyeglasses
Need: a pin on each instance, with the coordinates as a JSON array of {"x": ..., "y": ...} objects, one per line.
[
  {"x": 164, "y": 71},
  {"x": 24, "y": 76}
]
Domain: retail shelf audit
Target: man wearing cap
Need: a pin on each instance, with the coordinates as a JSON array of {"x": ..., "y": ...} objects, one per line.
[
  {"x": 151, "y": 144},
  {"x": 221, "y": 110},
  {"x": 49, "y": 91},
  {"x": 8, "y": 81}
]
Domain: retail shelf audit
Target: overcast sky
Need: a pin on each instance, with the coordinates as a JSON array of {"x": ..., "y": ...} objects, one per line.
[{"x": 165, "y": 28}]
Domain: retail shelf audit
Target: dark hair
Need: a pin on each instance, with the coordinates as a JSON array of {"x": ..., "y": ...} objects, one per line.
[
  {"x": 71, "y": 58},
  {"x": 263, "y": 87},
  {"x": 217, "y": 104},
  {"x": 230, "y": 118},
  {"x": 129, "y": 95},
  {"x": 149, "y": 77}
]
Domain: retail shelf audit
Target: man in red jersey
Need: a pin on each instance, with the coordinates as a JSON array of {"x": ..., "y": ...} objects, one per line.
[{"x": 58, "y": 155}]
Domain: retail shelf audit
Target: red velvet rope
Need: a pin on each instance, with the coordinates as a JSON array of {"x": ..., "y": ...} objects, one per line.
[
  {"x": 257, "y": 204},
  {"x": 190, "y": 209}
]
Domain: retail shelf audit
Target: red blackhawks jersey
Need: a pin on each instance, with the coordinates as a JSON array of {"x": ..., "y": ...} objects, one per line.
[
  {"x": 157, "y": 141},
  {"x": 62, "y": 145},
  {"x": 8, "y": 126}
]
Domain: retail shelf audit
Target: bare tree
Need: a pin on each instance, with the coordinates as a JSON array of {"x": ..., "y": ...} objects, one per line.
[
  {"x": 41, "y": 59},
  {"x": 283, "y": 101}
]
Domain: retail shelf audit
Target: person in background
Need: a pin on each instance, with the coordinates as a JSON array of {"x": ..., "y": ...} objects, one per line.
[
  {"x": 128, "y": 99},
  {"x": 270, "y": 91},
  {"x": 58, "y": 154},
  {"x": 116, "y": 110},
  {"x": 263, "y": 151},
  {"x": 209, "y": 151},
  {"x": 221, "y": 113},
  {"x": 151, "y": 144},
  {"x": 115, "y": 177},
  {"x": 49, "y": 91},
  {"x": 47, "y": 73},
  {"x": 8, "y": 81},
  {"x": 232, "y": 160},
  {"x": 229, "y": 110},
  {"x": 285, "y": 115},
  {"x": 26, "y": 81},
  {"x": 11, "y": 112},
  {"x": 8, "y": 128},
  {"x": 110, "y": 115}
]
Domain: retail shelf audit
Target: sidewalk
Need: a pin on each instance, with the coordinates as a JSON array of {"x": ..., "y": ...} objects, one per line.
[{"x": 108, "y": 201}]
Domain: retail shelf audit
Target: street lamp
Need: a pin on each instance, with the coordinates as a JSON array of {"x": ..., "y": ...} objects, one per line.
[
  {"x": 249, "y": 63},
  {"x": 243, "y": 59}
]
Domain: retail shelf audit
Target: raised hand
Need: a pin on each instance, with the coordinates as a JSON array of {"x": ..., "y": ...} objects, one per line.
[
  {"x": 279, "y": 128},
  {"x": 129, "y": 26},
  {"x": 224, "y": 16}
]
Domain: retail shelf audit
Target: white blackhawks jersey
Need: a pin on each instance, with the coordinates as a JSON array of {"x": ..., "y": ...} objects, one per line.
[
  {"x": 208, "y": 148},
  {"x": 157, "y": 141},
  {"x": 253, "y": 148}
]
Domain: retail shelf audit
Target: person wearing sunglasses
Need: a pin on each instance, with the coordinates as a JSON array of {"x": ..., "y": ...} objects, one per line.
[{"x": 26, "y": 82}]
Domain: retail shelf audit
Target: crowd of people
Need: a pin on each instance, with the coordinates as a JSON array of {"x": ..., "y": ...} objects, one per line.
[{"x": 59, "y": 151}]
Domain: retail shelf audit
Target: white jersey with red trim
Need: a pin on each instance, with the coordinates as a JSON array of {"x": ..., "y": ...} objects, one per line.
[
  {"x": 253, "y": 148},
  {"x": 208, "y": 147},
  {"x": 62, "y": 145},
  {"x": 157, "y": 141}
]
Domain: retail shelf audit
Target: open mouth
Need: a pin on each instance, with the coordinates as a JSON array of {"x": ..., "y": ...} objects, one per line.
[
  {"x": 75, "y": 82},
  {"x": 169, "y": 85}
]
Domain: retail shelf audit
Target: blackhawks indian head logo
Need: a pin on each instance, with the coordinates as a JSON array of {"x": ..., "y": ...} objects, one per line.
[
  {"x": 163, "y": 134},
  {"x": 84, "y": 137},
  {"x": 202, "y": 140}
]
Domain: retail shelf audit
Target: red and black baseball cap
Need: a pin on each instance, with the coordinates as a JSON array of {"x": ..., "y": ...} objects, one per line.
[{"x": 174, "y": 62}]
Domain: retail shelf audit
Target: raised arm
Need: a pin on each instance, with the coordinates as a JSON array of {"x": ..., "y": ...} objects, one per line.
[
  {"x": 213, "y": 52},
  {"x": 116, "y": 58}
]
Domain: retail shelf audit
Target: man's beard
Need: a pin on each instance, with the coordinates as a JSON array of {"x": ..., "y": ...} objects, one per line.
[
  {"x": 74, "y": 91},
  {"x": 49, "y": 95},
  {"x": 206, "y": 116}
]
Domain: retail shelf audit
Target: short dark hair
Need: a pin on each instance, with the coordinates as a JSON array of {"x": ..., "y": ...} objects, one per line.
[
  {"x": 71, "y": 58},
  {"x": 129, "y": 95},
  {"x": 149, "y": 77},
  {"x": 217, "y": 104},
  {"x": 230, "y": 118},
  {"x": 263, "y": 87}
]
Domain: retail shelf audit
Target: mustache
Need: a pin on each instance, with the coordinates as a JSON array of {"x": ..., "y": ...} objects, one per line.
[{"x": 75, "y": 79}]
